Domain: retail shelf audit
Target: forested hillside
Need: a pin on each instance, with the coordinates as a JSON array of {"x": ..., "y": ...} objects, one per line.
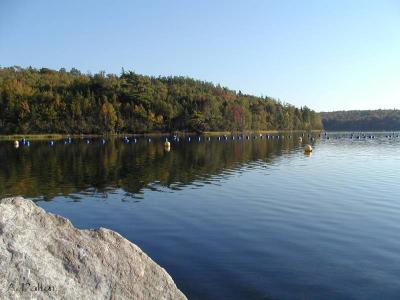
[
  {"x": 49, "y": 101},
  {"x": 362, "y": 120}
]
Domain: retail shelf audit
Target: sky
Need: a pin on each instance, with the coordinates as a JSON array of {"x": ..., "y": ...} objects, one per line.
[{"x": 327, "y": 55}]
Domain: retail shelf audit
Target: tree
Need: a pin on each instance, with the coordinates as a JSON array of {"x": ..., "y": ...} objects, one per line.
[
  {"x": 45, "y": 100},
  {"x": 108, "y": 117}
]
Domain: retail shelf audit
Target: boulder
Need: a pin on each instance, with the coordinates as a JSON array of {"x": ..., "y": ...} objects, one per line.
[{"x": 43, "y": 256}]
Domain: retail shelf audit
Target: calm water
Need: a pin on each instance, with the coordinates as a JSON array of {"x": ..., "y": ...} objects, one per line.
[{"x": 249, "y": 219}]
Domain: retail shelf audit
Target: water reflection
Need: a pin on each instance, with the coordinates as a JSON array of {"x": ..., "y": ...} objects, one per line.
[
  {"x": 245, "y": 219},
  {"x": 68, "y": 169}
]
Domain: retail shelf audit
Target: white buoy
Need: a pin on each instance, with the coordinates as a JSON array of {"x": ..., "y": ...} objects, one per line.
[
  {"x": 300, "y": 139},
  {"x": 16, "y": 144},
  {"x": 308, "y": 149}
]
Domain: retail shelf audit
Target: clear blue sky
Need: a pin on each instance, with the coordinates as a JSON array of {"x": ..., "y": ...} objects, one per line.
[{"x": 325, "y": 54}]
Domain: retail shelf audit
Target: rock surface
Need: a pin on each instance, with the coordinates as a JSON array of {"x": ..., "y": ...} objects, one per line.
[{"x": 42, "y": 256}]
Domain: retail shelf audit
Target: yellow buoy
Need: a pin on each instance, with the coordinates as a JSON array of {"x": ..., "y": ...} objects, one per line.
[
  {"x": 167, "y": 146},
  {"x": 308, "y": 149}
]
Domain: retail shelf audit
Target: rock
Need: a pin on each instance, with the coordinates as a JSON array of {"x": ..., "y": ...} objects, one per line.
[{"x": 43, "y": 256}]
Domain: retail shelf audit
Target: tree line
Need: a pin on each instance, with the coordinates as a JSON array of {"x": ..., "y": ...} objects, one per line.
[
  {"x": 362, "y": 120},
  {"x": 50, "y": 101}
]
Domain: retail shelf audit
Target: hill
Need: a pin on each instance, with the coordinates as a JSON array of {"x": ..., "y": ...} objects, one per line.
[
  {"x": 361, "y": 120},
  {"x": 50, "y": 101}
]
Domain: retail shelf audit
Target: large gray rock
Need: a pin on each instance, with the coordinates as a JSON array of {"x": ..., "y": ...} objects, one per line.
[{"x": 42, "y": 256}]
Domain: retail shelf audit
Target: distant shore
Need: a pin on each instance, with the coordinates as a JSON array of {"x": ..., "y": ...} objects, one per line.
[{"x": 56, "y": 136}]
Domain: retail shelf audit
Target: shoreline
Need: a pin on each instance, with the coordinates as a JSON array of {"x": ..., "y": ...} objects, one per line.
[{"x": 57, "y": 136}]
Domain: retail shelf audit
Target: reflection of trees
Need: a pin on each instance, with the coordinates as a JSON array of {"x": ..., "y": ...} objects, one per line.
[{"x": 64, "y": 169}]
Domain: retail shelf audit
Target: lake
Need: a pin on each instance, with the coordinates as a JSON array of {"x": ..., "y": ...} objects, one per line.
[{"x": 233, "y": 219}]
